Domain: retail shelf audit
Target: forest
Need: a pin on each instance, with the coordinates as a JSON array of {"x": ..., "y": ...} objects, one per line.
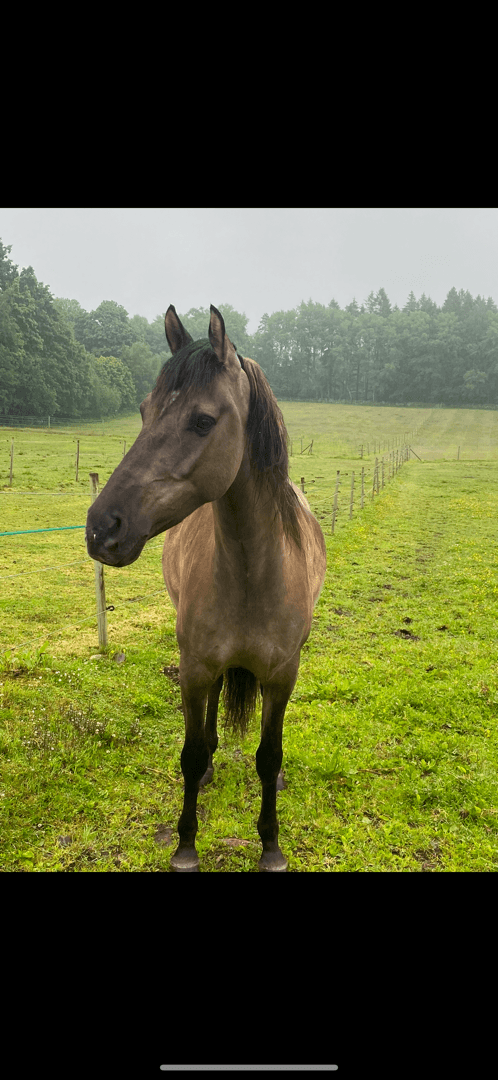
[{"x": 58, "y": 360}]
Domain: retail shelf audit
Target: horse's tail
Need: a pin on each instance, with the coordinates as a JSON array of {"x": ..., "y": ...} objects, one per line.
[{"x": 240, "y": 693}]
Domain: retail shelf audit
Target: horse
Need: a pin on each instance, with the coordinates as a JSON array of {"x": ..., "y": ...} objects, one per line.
[{"x": 244, "y": 558}]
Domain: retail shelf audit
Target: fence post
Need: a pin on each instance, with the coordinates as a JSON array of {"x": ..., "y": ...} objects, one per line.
[
  {"x": 362, "y": 487},
  {"x": 124, "y": 447},
  {"x": 352, "y": 496},
  {"x": 77, "y": 456},
  {"x": 99, "y": 576},
  {"x": 302, "y": 485},
  {"x": 11, "y": 462}
]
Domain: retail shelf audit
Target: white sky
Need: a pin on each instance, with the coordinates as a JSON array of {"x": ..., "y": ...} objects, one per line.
[{"x": 257, "y": 259}]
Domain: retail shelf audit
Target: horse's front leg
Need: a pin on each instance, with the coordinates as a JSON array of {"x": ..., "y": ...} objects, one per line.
[
  {"x": 268, "y": 763},
  {"x": 194, "y": 759}
]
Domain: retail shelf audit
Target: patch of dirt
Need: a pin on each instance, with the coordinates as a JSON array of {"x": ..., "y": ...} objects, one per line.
[
  {"x": 163, "y": 835},
  {"x": 172, "y": 673}
]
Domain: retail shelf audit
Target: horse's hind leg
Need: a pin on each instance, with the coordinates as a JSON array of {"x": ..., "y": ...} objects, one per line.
[
  {"x": 211, "y": 729},
  {"x": 268, "y": 762}
]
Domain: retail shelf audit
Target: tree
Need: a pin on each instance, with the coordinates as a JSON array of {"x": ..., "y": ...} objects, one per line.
[
  {"x": 379, "y": 304},
  {"x": 428, "y": 305},
  {"x": 8, "y": 272},
  {"x": 70, "y": 310},
  {"x": 11, "y": 352},
  {"x": 156, "y": 337},
  {"x": 49, "y": 370},
  {"x": 412, "y": 303},
  {"x": 105, "y": 330},
  {"x": 115, "y": 376},
  {"x": 452, "y": 303},
  {"x": 143, "y": 366}
]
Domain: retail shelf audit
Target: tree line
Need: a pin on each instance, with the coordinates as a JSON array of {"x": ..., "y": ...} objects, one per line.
[{"x": 58, "y": 359}]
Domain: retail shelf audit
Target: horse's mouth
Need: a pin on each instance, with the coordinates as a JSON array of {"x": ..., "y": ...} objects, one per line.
[{"x": 112, "y": 553}]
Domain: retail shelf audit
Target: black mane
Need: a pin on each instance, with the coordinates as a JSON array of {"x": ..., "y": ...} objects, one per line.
[{"x": 196, "y": 365}]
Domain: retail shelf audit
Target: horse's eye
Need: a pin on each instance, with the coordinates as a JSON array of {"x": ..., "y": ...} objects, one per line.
[{"x": 202, "y": 424}]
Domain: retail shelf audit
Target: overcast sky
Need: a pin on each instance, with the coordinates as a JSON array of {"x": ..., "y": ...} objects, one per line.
[{"x": 258, "y": 259}]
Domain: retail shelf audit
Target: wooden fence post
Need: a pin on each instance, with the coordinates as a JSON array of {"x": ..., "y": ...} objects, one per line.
[
  {"x": 77, "y": 456},
  {"x": 362, "y": 487},
  {"x": 352, "y": 496},
  {"x": 99, "y": 576},
  {"x": 302, "y": 485},
  {"x": 11, "y": 462}
]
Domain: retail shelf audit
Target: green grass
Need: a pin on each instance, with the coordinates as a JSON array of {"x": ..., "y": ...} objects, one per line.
[{"x": 390, "y": 737}]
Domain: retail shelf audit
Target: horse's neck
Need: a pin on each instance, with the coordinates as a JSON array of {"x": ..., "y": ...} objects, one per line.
[{"x": 247, "y": 527}]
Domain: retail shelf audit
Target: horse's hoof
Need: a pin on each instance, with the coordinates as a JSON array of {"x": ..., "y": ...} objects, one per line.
[
  {"x": 207, "y": 778},
  {"x": 185, "y": 862},
  {"x": 272, "y": 863}
]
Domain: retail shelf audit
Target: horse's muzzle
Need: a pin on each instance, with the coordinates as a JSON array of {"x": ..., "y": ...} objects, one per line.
[{"x": 108, "y": 541}]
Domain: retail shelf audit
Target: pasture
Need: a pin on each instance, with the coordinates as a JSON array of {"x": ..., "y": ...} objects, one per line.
[{"x": 390, "y": 736}]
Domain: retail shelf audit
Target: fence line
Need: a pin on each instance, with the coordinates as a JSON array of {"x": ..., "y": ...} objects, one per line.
[
  {"x": 59, "y": 528},
  {"x": 101, "y": 606},
  {"x": 45, "y": 569},
  {"x": 396, "y": 460},
  {"x": 50, "y": 421}
]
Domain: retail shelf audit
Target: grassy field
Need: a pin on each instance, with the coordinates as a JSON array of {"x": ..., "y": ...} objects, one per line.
[{"x": 390, "y": 739}]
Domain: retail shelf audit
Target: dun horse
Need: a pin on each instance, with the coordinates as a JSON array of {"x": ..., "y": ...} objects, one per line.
[{"x": 243, "y": 561}]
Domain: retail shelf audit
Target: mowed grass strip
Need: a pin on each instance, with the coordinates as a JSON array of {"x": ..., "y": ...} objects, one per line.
[{"x": 390, "y": 741}]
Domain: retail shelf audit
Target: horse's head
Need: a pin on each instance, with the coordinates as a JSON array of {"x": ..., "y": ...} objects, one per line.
[{"x": 188, "y": 452}]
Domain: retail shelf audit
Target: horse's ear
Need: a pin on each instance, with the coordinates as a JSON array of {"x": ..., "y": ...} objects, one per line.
[
  {"x": 176, "y": 334},
  {"x": 218, "y": 337},
  {"x": 217, "y": 332}
]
